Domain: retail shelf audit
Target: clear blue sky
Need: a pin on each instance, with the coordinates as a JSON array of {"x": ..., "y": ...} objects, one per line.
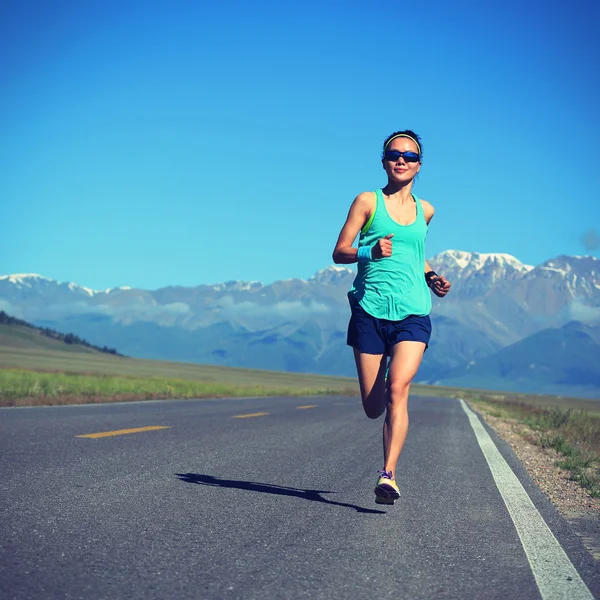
[{"x": 179, "y": 143}]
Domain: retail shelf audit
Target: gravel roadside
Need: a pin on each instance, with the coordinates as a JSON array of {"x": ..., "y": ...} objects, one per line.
[{"x": 576, "y": 505}]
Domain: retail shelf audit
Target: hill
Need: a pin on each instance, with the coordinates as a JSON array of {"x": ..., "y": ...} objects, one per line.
[
  {"x": 16, "y": 333},
  {"x": 555, "y": 360},
  {"x": 24, "y": 346}
]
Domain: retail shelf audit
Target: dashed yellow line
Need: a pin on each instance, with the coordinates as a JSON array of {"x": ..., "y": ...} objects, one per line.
[
  {"x": 122, "y": 431},
  {"x": 307, "y": 406},
  {"x": 258, "y": 414}
]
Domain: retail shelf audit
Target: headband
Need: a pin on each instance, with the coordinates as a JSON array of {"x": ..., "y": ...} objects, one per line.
[{"x": 410, "y": 137}]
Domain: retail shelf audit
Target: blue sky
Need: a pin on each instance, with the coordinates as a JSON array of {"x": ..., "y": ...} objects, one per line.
[{"x": 179, "y": 143}]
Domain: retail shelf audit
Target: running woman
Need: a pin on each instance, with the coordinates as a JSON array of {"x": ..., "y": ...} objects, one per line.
[{"x": 389, "y": 299}]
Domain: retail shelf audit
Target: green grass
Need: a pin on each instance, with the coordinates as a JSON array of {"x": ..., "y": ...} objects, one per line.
[
  {"x": 574, "y": 434},
  {"x": 57, "y": 360},
  {"x": 106, "y": 364},
  {"x": 30, "y": 388},
  {"x": 37, "y": 370}
]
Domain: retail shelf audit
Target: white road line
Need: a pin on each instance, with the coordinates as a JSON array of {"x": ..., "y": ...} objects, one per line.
[{"x": 555, "y": 575}]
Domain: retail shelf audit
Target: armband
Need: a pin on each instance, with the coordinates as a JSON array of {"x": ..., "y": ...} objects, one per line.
[
  {"x": 429, "y": 275},
  {"x": 364, "y": 254}
]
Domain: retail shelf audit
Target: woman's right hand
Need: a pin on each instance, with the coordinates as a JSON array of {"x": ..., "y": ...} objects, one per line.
[{"x": 383, "y": 247}]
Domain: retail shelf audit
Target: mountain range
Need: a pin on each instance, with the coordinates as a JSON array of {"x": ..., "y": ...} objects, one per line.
[{"x": 504, "y": 325}]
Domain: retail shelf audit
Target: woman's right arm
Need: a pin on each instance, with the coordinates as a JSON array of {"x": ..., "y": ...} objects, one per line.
[{"x": 358, "y": 215}]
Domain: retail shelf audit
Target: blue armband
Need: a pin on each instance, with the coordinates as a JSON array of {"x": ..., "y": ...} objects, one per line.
[{"x": 364, "y": 254}]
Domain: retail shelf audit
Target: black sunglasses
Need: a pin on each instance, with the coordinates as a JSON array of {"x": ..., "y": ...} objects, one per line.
[{"x": 394, "y": 155}]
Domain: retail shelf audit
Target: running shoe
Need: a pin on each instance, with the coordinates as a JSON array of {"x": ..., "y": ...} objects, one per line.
[
  {"x": 386, "y": 490},
  {"x": 387, "y": 501}
]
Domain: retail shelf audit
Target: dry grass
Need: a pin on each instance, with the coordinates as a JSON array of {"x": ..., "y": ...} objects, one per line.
[{"x": 574, "y": 434}]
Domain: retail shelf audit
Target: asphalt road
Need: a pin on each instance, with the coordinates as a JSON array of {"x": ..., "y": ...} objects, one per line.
[{"x": 276, "y": 505}]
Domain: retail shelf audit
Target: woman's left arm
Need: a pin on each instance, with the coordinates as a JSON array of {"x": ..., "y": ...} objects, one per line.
[{"x": 439, "y": 285}]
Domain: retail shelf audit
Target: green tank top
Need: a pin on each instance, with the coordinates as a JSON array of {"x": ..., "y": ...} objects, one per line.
[{"x": 393, "y": 287}]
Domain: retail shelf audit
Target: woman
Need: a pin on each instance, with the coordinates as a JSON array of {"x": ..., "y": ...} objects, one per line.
[{"x": 390, "y": 300}]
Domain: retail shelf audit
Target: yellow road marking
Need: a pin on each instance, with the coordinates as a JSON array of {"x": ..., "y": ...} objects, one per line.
[
  {"x": 308, "y": 406},
  {"x": 260, "y": 414},
  {"x": 122, "y": 431}
]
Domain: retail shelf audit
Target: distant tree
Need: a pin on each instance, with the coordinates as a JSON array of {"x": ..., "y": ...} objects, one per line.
[{"x": 68, "y": 338}]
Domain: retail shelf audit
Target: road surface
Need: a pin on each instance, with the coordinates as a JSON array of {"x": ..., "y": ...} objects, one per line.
[{"x": 272, "y": 498}]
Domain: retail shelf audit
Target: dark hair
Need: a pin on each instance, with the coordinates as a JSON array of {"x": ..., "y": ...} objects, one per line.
[{"x": 406, "y": 132}]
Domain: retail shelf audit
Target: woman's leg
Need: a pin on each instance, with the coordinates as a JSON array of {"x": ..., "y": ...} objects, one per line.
[
  {"x": 371, "y": 378},
  {"x": 406, "y": 358}
]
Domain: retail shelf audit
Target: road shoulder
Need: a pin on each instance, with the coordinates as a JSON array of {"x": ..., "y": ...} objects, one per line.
[{"x": 574, "y": 503}]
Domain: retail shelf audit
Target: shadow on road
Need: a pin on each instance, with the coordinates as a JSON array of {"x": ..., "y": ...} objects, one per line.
[{"x": 268, "y": 488}]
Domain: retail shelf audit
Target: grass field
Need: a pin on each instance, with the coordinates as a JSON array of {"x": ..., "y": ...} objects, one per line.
[
  {"x": 106, "y": 366},
  {"x": 44, "y": 375},
  {"x": 56, "y": 376},
  {"x": 19, "y": 387}
]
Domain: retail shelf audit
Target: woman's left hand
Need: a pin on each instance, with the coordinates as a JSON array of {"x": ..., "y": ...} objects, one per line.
[{"x": 440, "y": 286}]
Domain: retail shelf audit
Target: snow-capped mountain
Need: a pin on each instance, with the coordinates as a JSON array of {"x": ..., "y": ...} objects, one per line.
[
  {"x": 39, "y": 283},
  {"x": 465, "y": 264},
  {"x": 495, "y": 301},
  {"x": 578, "y": 275},
  {"x": 559, "y": 289},
  {"x": 24, "y": 279},
  {"x": 237, "y": 286},
  {"x": 334, "y": 275},
  {"x": 559, "y": 282},
  {"x": 474, "y": 274}
]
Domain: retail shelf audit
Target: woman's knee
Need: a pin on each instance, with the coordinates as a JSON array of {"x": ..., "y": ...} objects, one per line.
[
  {"x": 374, "y": 402},
  {"x": 374, "y": 411},
  {"x": 398, "y": 391}
]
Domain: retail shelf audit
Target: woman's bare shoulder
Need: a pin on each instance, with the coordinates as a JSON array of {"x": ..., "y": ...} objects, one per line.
[
  {"x": 428, "y": 210},
  {"x": 365, "y": 200}
]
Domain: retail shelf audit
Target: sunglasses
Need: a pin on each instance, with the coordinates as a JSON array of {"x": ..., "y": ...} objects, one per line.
[{"x": 394, "y": 155}]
